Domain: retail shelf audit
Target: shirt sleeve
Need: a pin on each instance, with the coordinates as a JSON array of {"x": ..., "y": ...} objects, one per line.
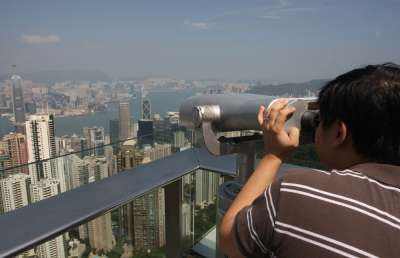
[{"x": 254, "y": 224}]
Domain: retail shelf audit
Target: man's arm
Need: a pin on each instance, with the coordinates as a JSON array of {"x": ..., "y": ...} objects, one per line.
[{"x": 278, "y": 144}]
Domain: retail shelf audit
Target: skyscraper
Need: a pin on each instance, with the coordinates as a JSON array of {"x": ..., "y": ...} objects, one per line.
[
  {"x": 79, "y": 171},
  {"x": 111, "y": 160},
  {"x": 207, "y": 184},
  {"x": 95, "y": 139},
  {"x": 99, "y": 229},
  {"x": 100, "y": 233},
  {"x": 64, "y": 173},
  {"x": 114, "y": 134},
  {"x": 148, "y": 220},
  {"x": 146, "y": 109},
  {"x": 127, "y": 157},
  {"x": 180, "y": 140},
  {"x": 124, "y": 120},
  {"x": 5, "y": 161},
  {"x": 14, "y": 195},
  {"x": 158, "y": 151},
  {"x": 16, "y": 144},
  {"x": 18, "y": 99},
  {"x": 14, "y": 191},
  {"x": 42, "y": 190},
  {"x": 41, "y": 145},
  {"x": 146, "y": 132}
]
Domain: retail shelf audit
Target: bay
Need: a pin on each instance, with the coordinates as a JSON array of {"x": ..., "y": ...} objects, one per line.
[{"x": 161, "y": 102}]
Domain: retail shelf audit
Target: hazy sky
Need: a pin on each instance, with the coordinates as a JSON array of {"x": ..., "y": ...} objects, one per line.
[{"x": 277, "y": 40}]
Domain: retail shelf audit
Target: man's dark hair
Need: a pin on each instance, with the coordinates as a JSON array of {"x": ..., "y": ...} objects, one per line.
[{"x": 367, "y": 100}]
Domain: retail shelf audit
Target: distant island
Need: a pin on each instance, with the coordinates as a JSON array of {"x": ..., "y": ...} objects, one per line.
[{"x": 289, "y": 89}]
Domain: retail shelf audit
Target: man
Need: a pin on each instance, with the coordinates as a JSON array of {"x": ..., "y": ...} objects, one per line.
[{"x": 353, "y": 210}]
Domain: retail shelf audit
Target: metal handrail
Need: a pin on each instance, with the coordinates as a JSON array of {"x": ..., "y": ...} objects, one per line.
[{"x": 36, "y": 223}]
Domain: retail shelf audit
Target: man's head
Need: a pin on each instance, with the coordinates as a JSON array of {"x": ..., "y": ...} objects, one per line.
[{"x": 360, "y": 117}]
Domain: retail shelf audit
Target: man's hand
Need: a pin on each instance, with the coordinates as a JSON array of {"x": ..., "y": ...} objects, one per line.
[{"x": 277, "y": 141}]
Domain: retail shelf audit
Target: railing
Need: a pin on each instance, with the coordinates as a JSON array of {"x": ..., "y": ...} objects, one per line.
[
  {"x": 158, "y": 209},
  {"x": 104, "y": 196}
]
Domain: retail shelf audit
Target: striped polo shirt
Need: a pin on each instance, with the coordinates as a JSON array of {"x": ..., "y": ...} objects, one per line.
[{"x": 313, "y": 213}]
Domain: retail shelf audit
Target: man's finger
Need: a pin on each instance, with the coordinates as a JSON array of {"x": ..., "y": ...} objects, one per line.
[
  {"x": 282, "y": 117},
  {"x": 260, "y": 116},
  {"x": 274, "y": 109},
  {"x": 294, "y": 136}
]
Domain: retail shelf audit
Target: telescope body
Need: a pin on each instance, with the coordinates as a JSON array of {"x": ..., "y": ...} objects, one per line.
[
  {"x": 230, "y": 112},
  {"x": 234, "y": 112}
]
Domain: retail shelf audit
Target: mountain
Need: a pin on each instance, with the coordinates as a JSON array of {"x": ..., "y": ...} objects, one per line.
[
  {"x": 52, "y": 76},
  {"x": 289, "y": 89}
]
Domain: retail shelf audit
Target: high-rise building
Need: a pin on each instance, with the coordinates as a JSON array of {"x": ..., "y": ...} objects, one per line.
[
  {"x": 97, "y": 168},
  {"x": 127, "y": 157},
  {"x": 64, "y": 173},
  {"x": 79, "y": 171},
  {"x": 67, "y": 144},
  {"x": 146, "y": 109},
  {"x": 16, "y": 145},
  {"x": 134, "y": 129},
  {"x": 159, "y": 131},
  {"x": 206, "y": 187},
  {"x": 180, "y": 140},
  {"x": 5, "y": 161},
  {"x": 100, "y": 233},
  {"x": 41, "y": 190},
  {"x": 18, "y": 99},
  {"x": 114, "y": 134},
  {"x": 14, "y": 191},
  {"x": 41, "y": 145},
  {"x": 111, "y": 160},
  {"x": 79, "y": 175},
  {"x": 164, "y": 128},
  {"x": 99, "y": 230},
  {"x": 146, "y": 132},
  {"x": 3, "y": 102},
  {"x": 158, "y": 151},
  {"x": 13, "y": 195},
  {"x": 124, "y": 120},
  {"x": 148, "y": 220},
  {"x": 95, "y": 140}
]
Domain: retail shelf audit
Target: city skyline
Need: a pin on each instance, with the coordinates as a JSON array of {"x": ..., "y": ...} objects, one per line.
[{"x": 273, "y": 40}]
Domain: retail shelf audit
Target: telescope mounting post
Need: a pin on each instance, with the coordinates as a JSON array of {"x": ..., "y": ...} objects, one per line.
[{"x": 244, "y": 146}]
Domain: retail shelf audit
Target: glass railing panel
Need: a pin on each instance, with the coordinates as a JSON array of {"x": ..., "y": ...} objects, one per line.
[
  {"x": 137, "y": 229},
  {"x": 72, "y": 169}
]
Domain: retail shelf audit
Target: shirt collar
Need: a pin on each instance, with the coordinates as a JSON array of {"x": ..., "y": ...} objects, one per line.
[{"x": 385, "y": 173}]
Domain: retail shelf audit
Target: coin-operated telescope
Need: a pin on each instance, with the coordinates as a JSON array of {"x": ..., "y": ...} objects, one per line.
[
  {"x": 212, "y": 114},
  {"x": 238, "y": 112}
]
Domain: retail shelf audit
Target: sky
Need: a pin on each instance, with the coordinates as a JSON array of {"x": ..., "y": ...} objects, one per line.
[{"x": 273, "y": 40}]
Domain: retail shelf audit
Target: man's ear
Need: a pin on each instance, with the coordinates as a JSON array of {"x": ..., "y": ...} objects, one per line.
[{"x": 341, "y": 133}]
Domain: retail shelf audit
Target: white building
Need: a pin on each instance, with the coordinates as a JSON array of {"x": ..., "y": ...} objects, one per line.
[
  {"x": 44, "y": 189},
  {"x": 95, "y": 139},
  {"x": 79, "y": 172},
  {"x": 41, "y": 145},
  {"x": 99, "y": 230},
  {"x": 14, "y": 191},
  {"x": 206, "y": 187},
  {"x": 159, "y": 151},
  {"x": 63, "y": 173}
]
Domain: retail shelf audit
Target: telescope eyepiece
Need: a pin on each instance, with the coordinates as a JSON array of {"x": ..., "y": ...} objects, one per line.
[
  {"x": 206, "y": 113},
  {"x": 309, "y": 123}
]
